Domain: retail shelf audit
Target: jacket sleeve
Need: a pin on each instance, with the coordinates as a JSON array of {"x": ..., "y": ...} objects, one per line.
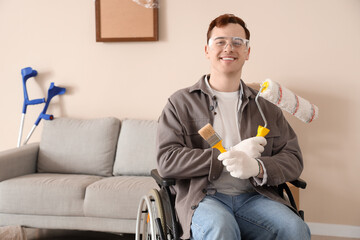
[
  {"x": 285, "y": 162},
  {"x": 177, "y": 155}
]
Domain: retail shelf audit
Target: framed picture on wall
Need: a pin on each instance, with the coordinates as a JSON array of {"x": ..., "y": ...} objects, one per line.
[{"x": 125, "y": 20}]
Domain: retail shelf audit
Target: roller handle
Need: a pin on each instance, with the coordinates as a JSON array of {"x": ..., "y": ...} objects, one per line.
[{"x": 262, "y": 131}]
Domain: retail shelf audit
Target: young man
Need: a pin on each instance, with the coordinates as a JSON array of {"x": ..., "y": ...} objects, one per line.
[{"x": 232, "y": 195}]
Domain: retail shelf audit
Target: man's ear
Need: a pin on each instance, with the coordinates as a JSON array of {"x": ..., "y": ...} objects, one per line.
[
  {"x": 248, "y": 54},
  {"x": 207, "y": 51}
]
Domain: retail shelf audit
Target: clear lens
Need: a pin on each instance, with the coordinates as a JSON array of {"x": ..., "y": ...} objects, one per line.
[{"x": 223, "y": 42}]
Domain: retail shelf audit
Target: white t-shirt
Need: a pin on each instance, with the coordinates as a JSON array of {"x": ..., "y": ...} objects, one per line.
[
  {"x": 226, "y": 118},
  {"x": 226, "y": 125}
]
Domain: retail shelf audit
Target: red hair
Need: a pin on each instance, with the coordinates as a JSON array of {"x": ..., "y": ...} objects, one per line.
[{"x": 224, "y": 20}]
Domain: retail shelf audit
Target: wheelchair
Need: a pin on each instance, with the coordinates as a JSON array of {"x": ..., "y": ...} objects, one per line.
[{"x": 156, "y": 217}]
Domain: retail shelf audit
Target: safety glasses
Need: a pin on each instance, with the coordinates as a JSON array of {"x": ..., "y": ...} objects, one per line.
[{"x": 221, "y": 43}]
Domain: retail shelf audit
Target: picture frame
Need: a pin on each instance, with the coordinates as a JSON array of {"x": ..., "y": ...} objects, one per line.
[{"x": 125, "y": 21}]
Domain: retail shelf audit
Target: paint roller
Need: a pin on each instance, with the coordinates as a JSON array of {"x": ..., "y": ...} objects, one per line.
[
  {"x": 286, "y": 100},
  {"x": 278, "y": 95}
]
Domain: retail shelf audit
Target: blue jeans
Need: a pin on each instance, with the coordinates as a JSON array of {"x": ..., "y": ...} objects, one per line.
[{"x": 246, "y": 216}]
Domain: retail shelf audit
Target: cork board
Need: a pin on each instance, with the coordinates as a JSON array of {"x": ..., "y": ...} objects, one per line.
[{"x": 125, "y": 20}]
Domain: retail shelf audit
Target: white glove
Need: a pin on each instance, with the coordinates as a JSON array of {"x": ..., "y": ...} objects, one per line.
[
  {"x": 252, "y": 146},
  {"x": 239, "y": 164}
]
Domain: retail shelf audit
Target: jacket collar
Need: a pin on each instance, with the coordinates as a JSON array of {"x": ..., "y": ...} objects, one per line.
[{"x": 201, "y": 86}]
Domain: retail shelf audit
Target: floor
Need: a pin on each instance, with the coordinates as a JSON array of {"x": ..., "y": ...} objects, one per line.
[
  {"x": 36, "y": 234},
  {"x": 33, "y": 234},
  {"x": 331, "y": 238},
  {"x": 18, "y": 233},
  {"x": 78, "y": 235}
]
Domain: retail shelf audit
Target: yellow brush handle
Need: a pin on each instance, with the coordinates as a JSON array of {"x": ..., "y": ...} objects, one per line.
[
  {"x": 219, "y": 146},
  {"x": 262, "y": 131}
]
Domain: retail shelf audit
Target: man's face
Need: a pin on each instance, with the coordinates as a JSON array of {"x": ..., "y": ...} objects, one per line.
[{"x": 225, "y": 54}]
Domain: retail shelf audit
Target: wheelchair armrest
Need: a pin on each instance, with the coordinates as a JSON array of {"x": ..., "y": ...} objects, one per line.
[
  {"x": 300, "y": 183},
  {"x": 164, "y": 182}
]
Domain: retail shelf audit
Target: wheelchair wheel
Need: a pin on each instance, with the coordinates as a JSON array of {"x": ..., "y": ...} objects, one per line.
[
  {"x": 158, "y": 209},
  {"x": 150, "y": 224}
]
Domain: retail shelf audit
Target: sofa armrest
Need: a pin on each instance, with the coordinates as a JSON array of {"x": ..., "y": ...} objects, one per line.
[{"x": 18, "y": 161}]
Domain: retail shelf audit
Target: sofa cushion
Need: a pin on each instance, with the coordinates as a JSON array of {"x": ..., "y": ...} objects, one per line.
[
  {"x": 136, "y": 152},
  {"x": 117, "y": 197},
  {"x": 79, "y": 146},
  {"x": 45, "y": 194}
]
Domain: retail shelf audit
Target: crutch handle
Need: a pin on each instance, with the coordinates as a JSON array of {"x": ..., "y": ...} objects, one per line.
[
  {"x": 44, "y": 116},
  {"x": 32, "y": 102},
  {"x": 27, "y": 73},
  {"x": 36, "y": 101}
]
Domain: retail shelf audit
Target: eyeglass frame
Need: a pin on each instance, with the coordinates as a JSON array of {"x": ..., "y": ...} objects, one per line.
[{"x": 246, "y": 42}]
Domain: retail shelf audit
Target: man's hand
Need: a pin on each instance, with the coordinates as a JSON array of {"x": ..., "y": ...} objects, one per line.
[
  {"x": 239, "y": 164},
  {"x": 253, "y": 147}
]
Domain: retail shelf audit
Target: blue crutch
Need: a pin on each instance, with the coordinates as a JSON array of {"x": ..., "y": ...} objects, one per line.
[
  {"x": 52, "y": 92},
  {"x": 27, "y": 73}
]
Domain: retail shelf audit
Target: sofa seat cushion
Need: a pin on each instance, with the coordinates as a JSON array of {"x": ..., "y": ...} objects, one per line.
[
  {"x": 117, "y": 197},
  {"x": 79, "y": 146},
  {"x": 45, "y": 194}
]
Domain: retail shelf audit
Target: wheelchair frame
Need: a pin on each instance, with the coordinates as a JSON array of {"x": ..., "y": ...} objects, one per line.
[{"x": 157, "y": 220}]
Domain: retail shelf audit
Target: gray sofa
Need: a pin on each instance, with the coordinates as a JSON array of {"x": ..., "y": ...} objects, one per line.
[{"x": 83, "y": 175}]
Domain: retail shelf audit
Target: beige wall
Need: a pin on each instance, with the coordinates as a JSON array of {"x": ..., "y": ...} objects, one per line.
[{"x": 311, "y": 47}]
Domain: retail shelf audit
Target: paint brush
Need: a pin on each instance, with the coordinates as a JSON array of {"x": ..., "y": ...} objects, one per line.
[{"x": 208, "y": 133}]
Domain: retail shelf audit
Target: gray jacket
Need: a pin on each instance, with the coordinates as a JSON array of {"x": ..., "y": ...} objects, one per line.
[{"x": 185, "y": 156}]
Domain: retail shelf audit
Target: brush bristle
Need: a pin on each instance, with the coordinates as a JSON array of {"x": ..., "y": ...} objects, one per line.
[{"x": 207, "y": 131}]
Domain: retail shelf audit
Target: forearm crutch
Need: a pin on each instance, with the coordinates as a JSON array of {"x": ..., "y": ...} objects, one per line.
[
  {"x": 52, "y": 92},
  {"x": 27, "y": 73}
]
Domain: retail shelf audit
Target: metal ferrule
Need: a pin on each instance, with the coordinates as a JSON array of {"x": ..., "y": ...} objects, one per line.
[{"x": 214, "y": 139}]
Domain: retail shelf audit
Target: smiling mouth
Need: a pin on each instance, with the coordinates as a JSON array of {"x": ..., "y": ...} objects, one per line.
[{"x": 228, "y": 58}]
